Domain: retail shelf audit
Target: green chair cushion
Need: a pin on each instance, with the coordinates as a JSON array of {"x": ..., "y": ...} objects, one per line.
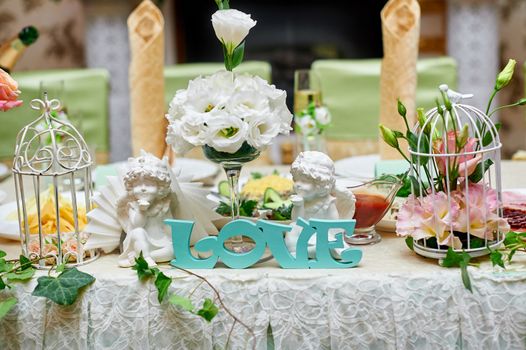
[
  {"x": 351, "y": 90},
  {"x": 177, "y": 77},
  {"x": 85, "y": 95}
]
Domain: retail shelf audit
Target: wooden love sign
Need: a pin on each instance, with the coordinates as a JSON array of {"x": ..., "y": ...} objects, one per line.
[{"x": 265, "y": 233}]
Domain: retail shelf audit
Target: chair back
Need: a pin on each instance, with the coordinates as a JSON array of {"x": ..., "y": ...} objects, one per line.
[
  {"x": 351, "y": 91},
  {"x": 85, "y": 96}
]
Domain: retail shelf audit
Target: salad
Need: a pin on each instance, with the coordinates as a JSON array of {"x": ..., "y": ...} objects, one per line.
[{"x": 265, "y": 196}]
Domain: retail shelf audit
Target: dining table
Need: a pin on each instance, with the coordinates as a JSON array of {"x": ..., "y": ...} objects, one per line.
[{"x": 394, "y": 299}]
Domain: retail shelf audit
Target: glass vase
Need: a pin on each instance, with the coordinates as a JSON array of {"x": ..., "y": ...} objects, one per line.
[
  {"x": 232, "y": 164},
  {"x": 314, "y": 142}
]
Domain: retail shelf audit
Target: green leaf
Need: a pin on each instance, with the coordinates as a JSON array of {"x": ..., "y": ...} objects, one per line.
[
  {"x": 246, "y": 208},
  {"x": 61, "y": 268},
  {"x": 488, "y": 136},
  {"x": 21, "y": 275},
  {"x": 25, "y": 263},
  {"x": 237, "y": 55},
  {"x": 496, "y": 258},
  {"x": 162, "y": 282},
  {"x": 452, "y": 258},
  {"x": 398, "y": 134},
  {"x": 478, "y": 174},
  {"x": 208, "y": 311},
  {"x": 420, "y": 147},
  {"x": 256, "y": 175},
  {"x": 224, "y": 209},
  {"x": 465, "y": 277},
  {"x": 4, "y": 266},
  {"x": 2, "y": 253},
  {"x": 63, "y": 289},
  {"x": 6, "y": 305},
  {"x": 141, "y": 266},
  {"x": 2, "y": 284},
  {"x": 182, "y": 302},
  {"x": 409, "y": 242}
]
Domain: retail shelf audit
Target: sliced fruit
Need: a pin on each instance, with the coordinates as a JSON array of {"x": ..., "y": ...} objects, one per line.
[
  {"x": 223, "y": 188},
  {"x": 272, "y": 199}
]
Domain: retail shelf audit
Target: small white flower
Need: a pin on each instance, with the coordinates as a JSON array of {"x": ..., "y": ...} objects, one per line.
[
  {"x": 323, "y": 117},
  {"x": 232, "y": 26},
  {"x": 227, "y": 133},
  {"x": 307, "y": 125}
]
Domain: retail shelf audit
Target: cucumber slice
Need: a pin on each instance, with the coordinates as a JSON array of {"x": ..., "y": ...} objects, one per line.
[
  {"x": 272, "y": 199},
  {"x": 224, "y": 189}
]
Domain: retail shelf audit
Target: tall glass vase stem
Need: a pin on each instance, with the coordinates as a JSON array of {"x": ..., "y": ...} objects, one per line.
[{"x": 233, "y": 170}]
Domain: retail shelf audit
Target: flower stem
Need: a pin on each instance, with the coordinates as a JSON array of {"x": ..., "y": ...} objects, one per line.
[
  {"x": 505, "y": 106},
  {"x": 491, "y": 100}
]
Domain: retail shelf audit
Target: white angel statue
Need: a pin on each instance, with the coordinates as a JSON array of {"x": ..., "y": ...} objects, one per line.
[
  {"x": 138, "y": 202},
  {"x": 317, "y": 196}
]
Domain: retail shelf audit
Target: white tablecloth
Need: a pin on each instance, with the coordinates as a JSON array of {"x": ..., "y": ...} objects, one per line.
[{"x": 393, "y": 300}]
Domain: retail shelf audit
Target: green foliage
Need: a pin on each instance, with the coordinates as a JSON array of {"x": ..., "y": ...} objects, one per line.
[
  {"x": 481, "y": 168},
  {"x": 237, "y": 55},
  {"x": 163, "y": 282},
  {"x": 496, "y": 258},
  {"x": 514, "y": 241},
  {"x": 182, "y": 302},
  {"x": 208, "y": 311},
  {"x": 489, "y": 136},
  {"x": 454, "y": 259},
  {"x": 409, "y": 241},
  {"x": 256, "y": 175},
  {"x": 246, "y": 208},
  {"x": 282, "y": 213},
  {"x": 6, "y": 305},
  {"x": 64, "y": 288}
]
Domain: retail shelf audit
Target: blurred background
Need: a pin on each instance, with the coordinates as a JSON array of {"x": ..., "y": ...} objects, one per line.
[{"x": 479, "y": 34}]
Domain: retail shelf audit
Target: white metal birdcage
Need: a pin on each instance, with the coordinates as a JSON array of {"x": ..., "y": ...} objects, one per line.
[
  {"x": 52, "y": 173},
  {"x": 459, "y": 211}
]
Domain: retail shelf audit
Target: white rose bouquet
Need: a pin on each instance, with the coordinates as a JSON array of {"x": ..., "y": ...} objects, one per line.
[
  {"x": 313, "y": 120},
  {"x": 227, "y": 111}
]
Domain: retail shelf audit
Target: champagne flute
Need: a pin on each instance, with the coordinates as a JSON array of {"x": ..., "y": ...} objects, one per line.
[{"x": 307, "y": 89}]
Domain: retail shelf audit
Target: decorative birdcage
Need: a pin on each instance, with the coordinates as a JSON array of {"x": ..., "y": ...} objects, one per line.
[
  {"x": 456, "y": 179},
  {"x": 51, "y": 169}
]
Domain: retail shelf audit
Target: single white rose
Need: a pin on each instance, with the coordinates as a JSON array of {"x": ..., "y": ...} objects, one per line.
[
  {"x": 175, "y": 138},
  {"x": 246, "y": 103},
  {"x": 227, "y": 133},
  {"x": 205, "y": 94},
  {"x": 194, "y": 128},
  {"x": 262, "y": 129},
  {"x": 322, "y": 115},
  {"x": 231, "y": 26}
]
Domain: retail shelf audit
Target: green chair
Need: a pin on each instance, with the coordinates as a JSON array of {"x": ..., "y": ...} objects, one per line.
[
  {"x": 351, "y": 90},
  {"x": 176, "y": 77},
  {"x": 85, "y": 94}
]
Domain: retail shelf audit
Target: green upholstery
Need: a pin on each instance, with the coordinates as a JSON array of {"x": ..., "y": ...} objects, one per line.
[
  {"x": 177, "y": 77},
  {"x": 351, "y": 90},
  {"x": 85, "y": 95}
]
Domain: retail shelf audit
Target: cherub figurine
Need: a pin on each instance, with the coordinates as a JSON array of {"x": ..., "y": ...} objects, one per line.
[
  {"x": 143, "y": 210},
  {"x": 138, "y": 201},
  {"x": 317, "y": 195}
]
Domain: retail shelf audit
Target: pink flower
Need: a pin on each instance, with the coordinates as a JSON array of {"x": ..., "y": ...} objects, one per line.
[
  {"x": 430, "y": 216},
  {"x": 481, "y": 218},
  {"x": 8, "y": 92},
  {"x": 467, "y": 162}
]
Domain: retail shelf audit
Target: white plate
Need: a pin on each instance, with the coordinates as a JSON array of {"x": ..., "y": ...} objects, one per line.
[
  {"x": 201, "y": 170},
  {"x": 9, "y": 227},
  {"x": 357, "y": 167}
]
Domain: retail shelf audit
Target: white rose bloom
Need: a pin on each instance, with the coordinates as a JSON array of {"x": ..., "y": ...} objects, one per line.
[
  {"x": 176, "y": 107},
  {"x": 246, "y": 103},
  {"x": 232, "y": 26},
  {"x": 262, "y": 129},
  {"x": 220, "y": 140},
  {"x": 322, "y": 115},
  {"x": 194, "y": 128},
  {"x": 205, "y": 94},
  {"x": 175, "y": 138}
]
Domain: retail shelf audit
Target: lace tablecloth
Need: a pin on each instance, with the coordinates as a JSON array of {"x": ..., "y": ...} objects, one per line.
[{"x": 393, "y": 300}]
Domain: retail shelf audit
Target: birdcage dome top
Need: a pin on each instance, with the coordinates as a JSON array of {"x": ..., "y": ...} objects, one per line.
[
  {"x": 468, "y": 120},
  {"x": 49, "y": 146}
]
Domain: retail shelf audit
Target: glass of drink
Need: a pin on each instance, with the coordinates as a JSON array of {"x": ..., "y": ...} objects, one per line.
[{"x": 307, "y": 89}]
